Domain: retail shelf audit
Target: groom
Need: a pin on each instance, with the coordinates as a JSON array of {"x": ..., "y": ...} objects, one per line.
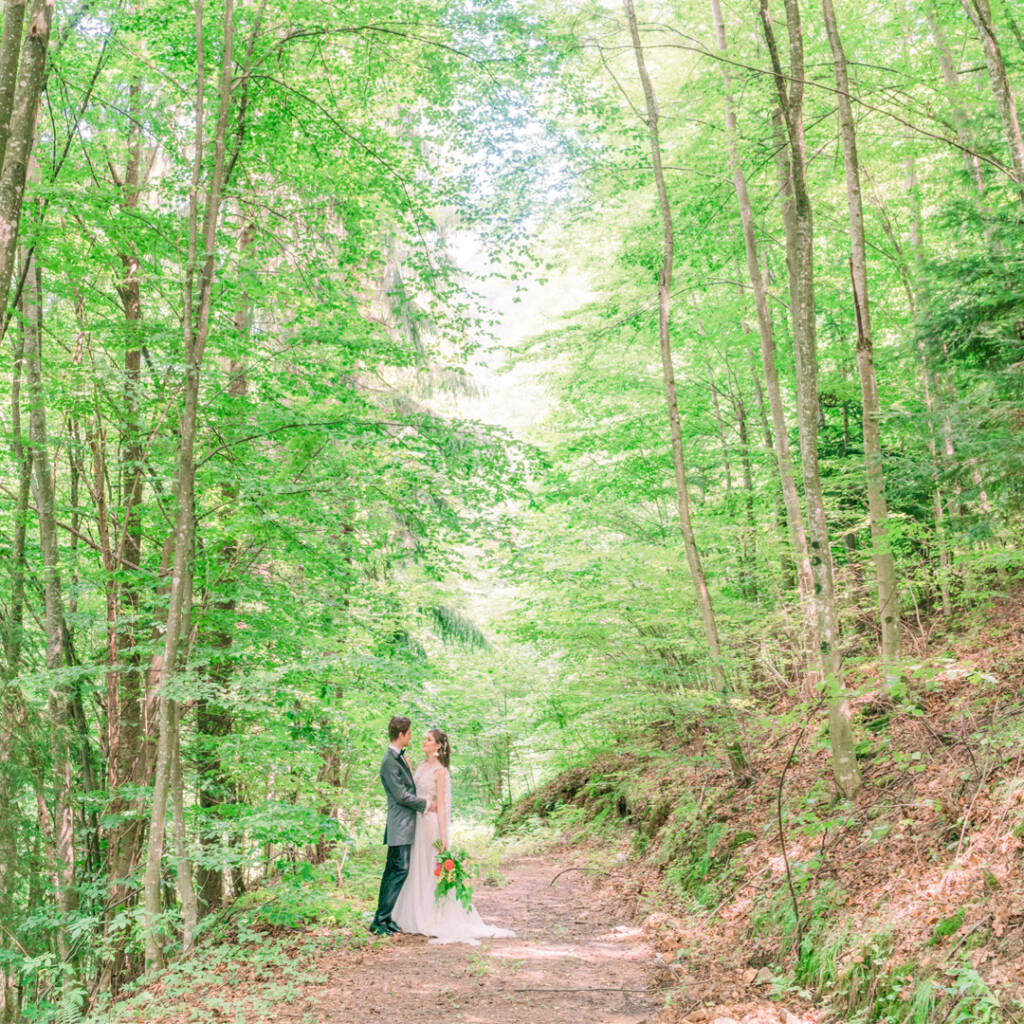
[{"x": 403, "y": 803}]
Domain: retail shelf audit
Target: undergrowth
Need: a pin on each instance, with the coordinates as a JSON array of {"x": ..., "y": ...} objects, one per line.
[
  {"x": 901, "y": 907},
  {"x": 255, "y": 955}
]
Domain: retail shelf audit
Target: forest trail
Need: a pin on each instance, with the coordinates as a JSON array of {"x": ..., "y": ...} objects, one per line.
[{"x": 572, "y": 959}]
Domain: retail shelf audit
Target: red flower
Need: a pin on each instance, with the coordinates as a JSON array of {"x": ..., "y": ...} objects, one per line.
[
  {"x": 449, "y": 865},
  {"x": 437, "y": 870}
]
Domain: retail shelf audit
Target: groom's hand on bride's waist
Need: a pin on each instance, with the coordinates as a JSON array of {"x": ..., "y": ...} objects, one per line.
[{"x": 431, "y": 806}]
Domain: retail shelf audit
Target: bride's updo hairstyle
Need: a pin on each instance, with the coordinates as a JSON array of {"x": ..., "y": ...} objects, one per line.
[{"x": 444, "y": 750}]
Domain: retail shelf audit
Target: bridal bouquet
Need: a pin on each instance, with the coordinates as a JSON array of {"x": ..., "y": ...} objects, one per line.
[{"x": 452, "y": 871}]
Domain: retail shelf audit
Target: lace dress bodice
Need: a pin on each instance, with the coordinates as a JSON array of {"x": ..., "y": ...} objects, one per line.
[{"x": 425, "y": 778}]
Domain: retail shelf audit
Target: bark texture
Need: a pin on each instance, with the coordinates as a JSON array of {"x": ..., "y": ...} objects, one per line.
[
  {"x": 799, "y": 228},
  {"x": 31, "y": 77},
  {"x": 780, "y": 429},
  {"x": 878, "y": 506},
  {"x": 980, "y": 14},
  {"x": 60, "y": 699}
]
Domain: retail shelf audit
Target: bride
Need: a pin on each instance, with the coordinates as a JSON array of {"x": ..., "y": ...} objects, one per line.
[{"x": 416, "y": 909}]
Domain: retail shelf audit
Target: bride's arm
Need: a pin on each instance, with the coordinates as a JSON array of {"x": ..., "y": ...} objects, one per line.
[{"x": 441, "y": 775}]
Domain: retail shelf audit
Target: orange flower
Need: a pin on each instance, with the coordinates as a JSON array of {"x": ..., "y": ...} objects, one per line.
[
  {"x": 437, "y": 870},
  {"x": 449, "y": 865}
]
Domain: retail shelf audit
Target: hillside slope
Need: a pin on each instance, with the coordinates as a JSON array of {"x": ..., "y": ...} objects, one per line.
[{"x": 904, "y": 905}]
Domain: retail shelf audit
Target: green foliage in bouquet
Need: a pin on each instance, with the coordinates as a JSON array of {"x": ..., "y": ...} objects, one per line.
[{"x": 453, "y": 871}]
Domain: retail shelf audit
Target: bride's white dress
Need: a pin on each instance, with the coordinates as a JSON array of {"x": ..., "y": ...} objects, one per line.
[{"x": 416, "y": 909}]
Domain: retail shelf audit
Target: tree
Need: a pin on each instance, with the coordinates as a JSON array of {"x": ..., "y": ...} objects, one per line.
[
  {"x": 736, "y": 756},
  {"x": 798, "y": 221},
  {"x": 780, "y": 430},
  {"x": 881, "y": 553}
]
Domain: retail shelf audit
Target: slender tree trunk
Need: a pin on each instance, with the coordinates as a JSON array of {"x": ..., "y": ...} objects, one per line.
[
  {"x": 750, "y": 533},
  {"x": 787, "y": 564},
  {"x": 197, "y": 297},
  {"x": 783, "y": 458},
  {"x": 798, "y": 222},
  {"x": 11, "y": 706},
  {"x": 928, "y": 393},
  {"x": 31, "y": 78},
  {"x": 980, "y": 14},
  {"x": 10, "y": 57},
  {"x": 127, "y": 743},
  {"x": 60, "y": 697},
  {"x": 737, "y": 758},
  {"x": 184, "y": 875},
  {"x": 961, "y": 122},
  {"x": 878, "y": 507},
  {"x": 12, "y": 626},
  {"x": 213, "y": 718},
  {"x": 10, "y": 698},
  {"x": 723, "y": 440}
]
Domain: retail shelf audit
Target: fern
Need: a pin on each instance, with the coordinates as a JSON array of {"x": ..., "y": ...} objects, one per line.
[{"x": 454, "y": 627}]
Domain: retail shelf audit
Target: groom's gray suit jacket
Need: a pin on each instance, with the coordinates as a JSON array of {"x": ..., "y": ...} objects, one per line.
[{"x": 403, "y": 803}]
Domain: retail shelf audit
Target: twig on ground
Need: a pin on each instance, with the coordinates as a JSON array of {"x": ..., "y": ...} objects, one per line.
[
  {"x": 952, "y": 1006},
  {"x": 737, "y": 891},
  {"x": 967, "y": 821},
  {"x": 782, "y": 841},
  {"x": 1006, "y": 804},
  {"x": 564, "y": 870},
  {"x": 700, "y": 797},
  {"x": 966, "y": 935},
  {"x": 587, "y": 988}
]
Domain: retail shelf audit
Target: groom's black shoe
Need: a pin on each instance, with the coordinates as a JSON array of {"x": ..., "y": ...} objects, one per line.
[
  {"x": 393, "y": 928},
  {"x": 379, "y": 929}
]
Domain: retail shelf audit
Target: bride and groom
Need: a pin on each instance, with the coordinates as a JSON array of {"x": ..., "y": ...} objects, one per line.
[{"x": 419, "y": 814}]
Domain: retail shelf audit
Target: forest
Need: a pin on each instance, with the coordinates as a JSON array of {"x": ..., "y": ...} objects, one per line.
[{"x": 591, "y": 379}]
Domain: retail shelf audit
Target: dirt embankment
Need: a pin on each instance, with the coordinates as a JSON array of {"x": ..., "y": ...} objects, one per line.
[{"x": 909, "y": 898}]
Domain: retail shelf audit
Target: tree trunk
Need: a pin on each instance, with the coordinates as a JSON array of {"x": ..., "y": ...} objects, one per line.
[
  {"x": 723, "y": 440},
  {"x": 961, "y": 122},
  {"x": 981, "y": 16},
  {"x": 878, "y": 507},
  {"x": 12, "y": 626},
  {"x": 928, "y": 393},
  {"x": 749, "y": 544},
  {"x": 127, "y": 742},
  {"x": 737, "y": 758},
  {"x": 783, "y": 458},
  {"x": 798, "y": 222},
  {"x": 213, "y": 719},
  {"x": 185, "y": 883},
  {"x": 10, "y": 697},
  {"x": 10, "y": 56},
  {"x": 60, "y": 696},
  {"x": 30, "y": 80},
  {"x": 196, "y": 303}
]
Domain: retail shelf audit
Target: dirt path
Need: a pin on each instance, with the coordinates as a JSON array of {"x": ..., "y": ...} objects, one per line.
[{"x": 572, "y": 960}]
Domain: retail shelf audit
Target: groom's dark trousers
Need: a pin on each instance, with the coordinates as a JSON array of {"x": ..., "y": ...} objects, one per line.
[
  {"x": 395, "y": 871},
  {"x": 403, "y": 803}
]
